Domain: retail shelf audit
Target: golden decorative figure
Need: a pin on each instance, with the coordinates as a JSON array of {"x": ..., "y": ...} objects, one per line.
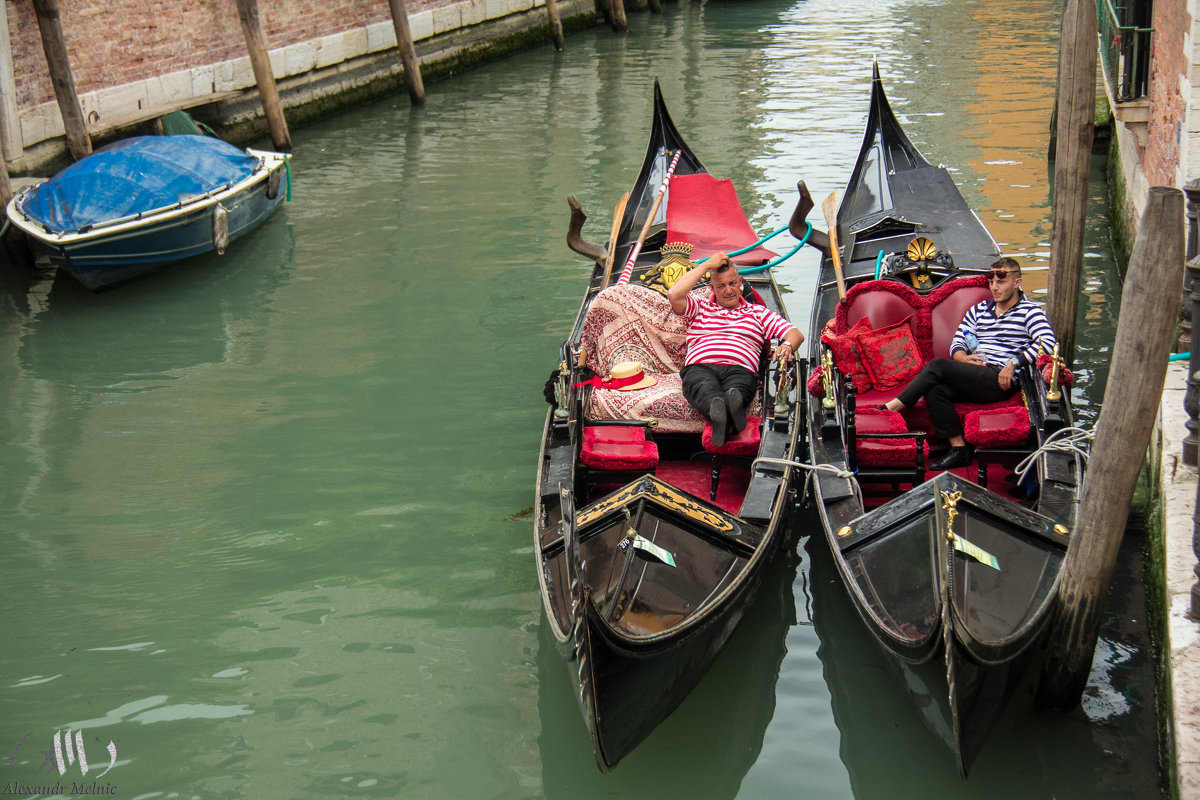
[
  {"x": 827, "y": 378},
  {"x": 950, "y": 504},
  {"x": 1053, "y": 394}
]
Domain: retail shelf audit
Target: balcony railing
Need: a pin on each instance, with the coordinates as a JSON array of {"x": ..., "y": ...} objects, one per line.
[{"x": 1124, "y": 52}]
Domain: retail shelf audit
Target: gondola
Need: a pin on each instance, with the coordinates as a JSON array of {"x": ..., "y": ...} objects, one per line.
[
  {"x": 955, "y": 574},
  {"x": 650, "y": 542}
]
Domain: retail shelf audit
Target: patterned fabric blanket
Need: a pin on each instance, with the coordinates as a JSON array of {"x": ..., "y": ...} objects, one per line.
[{"x": 633, "y": 323}]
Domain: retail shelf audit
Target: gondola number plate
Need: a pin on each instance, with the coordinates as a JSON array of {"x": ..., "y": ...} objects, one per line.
[{"x": 648, "y": 547}]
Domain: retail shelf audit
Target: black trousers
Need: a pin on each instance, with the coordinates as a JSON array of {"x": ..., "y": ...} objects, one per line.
[
  {"x": 702, "y": 383},
  {"x": 944, "y": 382}
]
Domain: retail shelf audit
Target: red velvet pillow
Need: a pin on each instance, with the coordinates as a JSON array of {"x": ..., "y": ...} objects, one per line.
[
  {"x": 847, "y": 354},
  {"x": 891, "y": 355}
]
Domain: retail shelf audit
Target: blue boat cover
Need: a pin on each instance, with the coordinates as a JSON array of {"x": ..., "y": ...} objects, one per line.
[{"x": 133, "y": 176}]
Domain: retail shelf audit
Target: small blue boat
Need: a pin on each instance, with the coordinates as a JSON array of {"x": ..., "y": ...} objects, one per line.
[{"x": 137, "y": 204}]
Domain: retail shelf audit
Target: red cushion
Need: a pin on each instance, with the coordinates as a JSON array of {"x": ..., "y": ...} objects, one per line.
[
  {"x": 876, "y": 420},
  {"x": 847, "y": 354},
  {"x": 617, "y": 447},
  {"x": 997, "y": 427},
  {"x": 629, "y": 434},
  {"x": 889, "y": 452},
  {"x": 891, "y": 355},
  {"x": 744, "y": 443}
]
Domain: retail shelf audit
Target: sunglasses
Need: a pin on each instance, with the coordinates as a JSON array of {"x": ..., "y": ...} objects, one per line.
[{"x": 1000, "y": 274}]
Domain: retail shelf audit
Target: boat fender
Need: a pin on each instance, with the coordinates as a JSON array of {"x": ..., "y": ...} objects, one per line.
[
  {"x": 273, "y": 184},
  {"x": 220, "y": 228}
]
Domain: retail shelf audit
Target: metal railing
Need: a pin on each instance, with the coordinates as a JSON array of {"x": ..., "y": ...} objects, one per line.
[{"x": 1124, "y": 53}]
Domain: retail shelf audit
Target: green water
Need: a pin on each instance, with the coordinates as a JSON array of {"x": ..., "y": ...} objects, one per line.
[{"x": 265, "y": 515}]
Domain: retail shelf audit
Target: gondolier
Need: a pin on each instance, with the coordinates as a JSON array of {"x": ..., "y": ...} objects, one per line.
[
  {"x": 996, "y": 338},
  {"x": 724, "y": 340}
]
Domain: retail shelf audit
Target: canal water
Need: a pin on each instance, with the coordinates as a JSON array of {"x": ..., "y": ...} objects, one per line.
[{"x": 266, "y": 515}]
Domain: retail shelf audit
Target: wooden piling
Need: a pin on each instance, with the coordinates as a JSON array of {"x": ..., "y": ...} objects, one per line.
[
  {"x": 556, "y": 29},
  {"x": 55, "y": 47},
  {"x": 1075, "y": 114},
  {"x": 619, "y": 23},
  {"x": 264, "y": 77},
  {"x": 1131, "y": 399},
  {"x": 408, "y": 53}
]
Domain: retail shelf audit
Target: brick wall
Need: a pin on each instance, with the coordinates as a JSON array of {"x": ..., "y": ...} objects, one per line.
[
  {"x": 114, "y": 42},
  {"x": 1168, "y": 66}
]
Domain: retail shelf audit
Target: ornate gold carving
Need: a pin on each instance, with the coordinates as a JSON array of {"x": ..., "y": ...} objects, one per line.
[
  {"x": 950, "y": 504},
  {"x": 663, "y": 495}
]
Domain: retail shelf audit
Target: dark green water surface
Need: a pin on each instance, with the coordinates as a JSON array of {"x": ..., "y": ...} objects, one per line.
[{"x": 265, "y": 515}]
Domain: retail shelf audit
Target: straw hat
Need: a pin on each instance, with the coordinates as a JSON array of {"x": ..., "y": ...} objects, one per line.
[{"x": 627, "y": 371}]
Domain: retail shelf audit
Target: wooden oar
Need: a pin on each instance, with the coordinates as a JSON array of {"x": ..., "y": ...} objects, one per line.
[
  {"x": 637, "y": 247},
  {"x": 830, "y": 209},
  {"x": 618, "y": 215}
]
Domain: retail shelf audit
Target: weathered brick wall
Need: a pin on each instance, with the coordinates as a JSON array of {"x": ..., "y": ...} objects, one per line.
[
  {"x": 114, "y": 42},
  {"x": 1168, "y": 64}
]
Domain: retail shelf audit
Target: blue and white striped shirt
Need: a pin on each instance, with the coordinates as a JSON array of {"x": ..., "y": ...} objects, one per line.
[{"x": 1015, "y": 334}]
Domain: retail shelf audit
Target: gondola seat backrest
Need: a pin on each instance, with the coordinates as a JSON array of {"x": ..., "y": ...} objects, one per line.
[
  {"x": 934, "y": 317},
  {"x": 633, "y": 323}
]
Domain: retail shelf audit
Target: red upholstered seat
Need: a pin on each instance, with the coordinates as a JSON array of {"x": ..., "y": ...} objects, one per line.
[
  {"x": 997, "y": 427},
  {"x": 618, "y": 447},
  {"x": 744, "y": 443},
  {"x": 882, "y": 452}
]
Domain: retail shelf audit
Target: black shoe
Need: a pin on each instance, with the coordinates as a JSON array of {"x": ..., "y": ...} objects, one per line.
[
  {"x": 737, "y": 410},
  {"x": 716, "y": 415},
  {"x": 957, "y": 457}
]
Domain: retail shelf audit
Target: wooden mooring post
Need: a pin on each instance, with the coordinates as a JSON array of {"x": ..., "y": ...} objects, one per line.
[
  {"x": 556, "y": 29},
  {"x": 264, "y": 77},
  {"x": 1122, "y": 433},
  {"x": 55, "y": 47},
  {"x": 617, "y": 9},
  {"x": 408, "y": 52},
  {"x": 1075, "y": 113}
]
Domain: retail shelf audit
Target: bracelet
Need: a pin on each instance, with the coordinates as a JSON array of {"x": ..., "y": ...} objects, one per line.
[{"x": 788, "y": 345}]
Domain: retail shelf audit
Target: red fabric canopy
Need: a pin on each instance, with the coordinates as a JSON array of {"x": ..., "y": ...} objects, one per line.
[{"x": 706, "y": 212}]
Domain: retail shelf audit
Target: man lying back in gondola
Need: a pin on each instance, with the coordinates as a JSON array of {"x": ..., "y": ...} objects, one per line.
[
  {"x": 725, "y": 338},
  {"x": 995, "y": 338}
]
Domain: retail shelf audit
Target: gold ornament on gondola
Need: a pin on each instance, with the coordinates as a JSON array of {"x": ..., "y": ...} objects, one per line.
[
  {"x": 921, "y": 249},
  {"x": 674, "y": 265}
]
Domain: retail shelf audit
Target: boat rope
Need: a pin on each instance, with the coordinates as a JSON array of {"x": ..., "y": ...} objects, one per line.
[
  {"x": 811, "y": 469},
  {"x": 878, "y": 264},
  {"x": 1063, "y": 440},
  {"x": 769, "y": 264}
]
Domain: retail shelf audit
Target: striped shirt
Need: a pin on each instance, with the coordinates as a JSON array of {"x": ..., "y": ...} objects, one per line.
[
  {"x": 1015, "y": 334},
  {"x": 719, "y": 335}
]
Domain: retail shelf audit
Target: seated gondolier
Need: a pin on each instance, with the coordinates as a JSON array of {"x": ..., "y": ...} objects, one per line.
[
  {"x": 725, "y": 337},
  {"x": 995, "y": 338}
]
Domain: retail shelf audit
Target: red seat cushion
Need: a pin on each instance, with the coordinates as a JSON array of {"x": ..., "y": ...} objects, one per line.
[
  {"x": 744, "y": 443},
  {"x": 997, "y": 427},
  {"x": 617, "y": 447}
]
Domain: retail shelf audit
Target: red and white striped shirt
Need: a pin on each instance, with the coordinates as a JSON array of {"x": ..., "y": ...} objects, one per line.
[{"x": 719, "y": 335}]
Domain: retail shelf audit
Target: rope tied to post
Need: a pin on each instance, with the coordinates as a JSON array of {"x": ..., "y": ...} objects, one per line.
[{"x": 1063, "y": 440}]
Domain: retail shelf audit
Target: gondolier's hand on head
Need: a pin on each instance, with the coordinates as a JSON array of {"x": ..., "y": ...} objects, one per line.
[{"x": 677, "y": 294}]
